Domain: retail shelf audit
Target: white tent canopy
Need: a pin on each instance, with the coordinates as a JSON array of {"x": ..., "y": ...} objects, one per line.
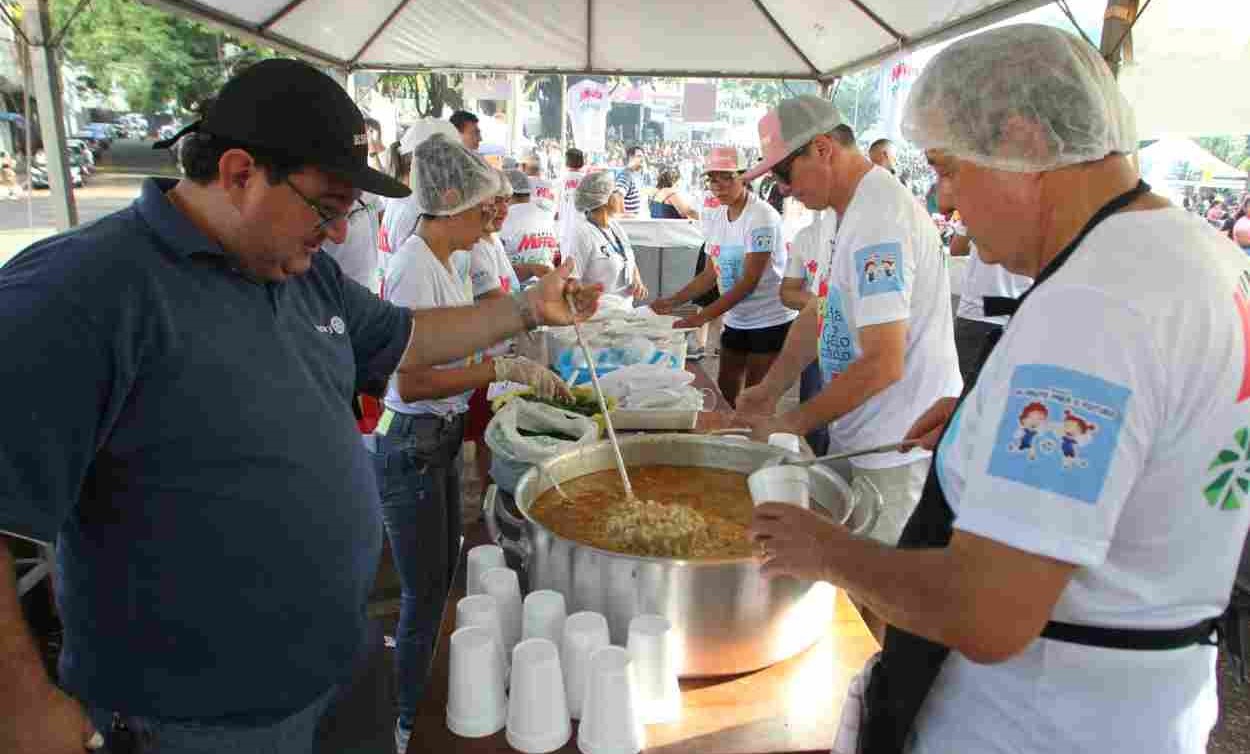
[{"x": 800, "y": 39}]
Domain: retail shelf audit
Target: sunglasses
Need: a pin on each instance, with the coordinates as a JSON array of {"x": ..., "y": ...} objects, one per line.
[
  {"x": 328, "y": 217},
  {"x": 782, "y": 169}
]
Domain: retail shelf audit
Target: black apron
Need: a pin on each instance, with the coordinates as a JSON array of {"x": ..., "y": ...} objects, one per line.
[{"x": 909, "y": 664}]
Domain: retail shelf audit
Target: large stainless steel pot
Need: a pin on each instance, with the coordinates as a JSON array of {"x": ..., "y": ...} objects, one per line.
[{"x": 726, "y": 617}]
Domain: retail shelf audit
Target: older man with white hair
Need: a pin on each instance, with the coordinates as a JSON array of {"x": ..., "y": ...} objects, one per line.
[{"x": 1058, "y": 585}]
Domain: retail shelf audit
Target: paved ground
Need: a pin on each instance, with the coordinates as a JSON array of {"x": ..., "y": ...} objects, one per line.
[
  {"x": 361, "y": 722},
  {"x": 114, "y": 185}
]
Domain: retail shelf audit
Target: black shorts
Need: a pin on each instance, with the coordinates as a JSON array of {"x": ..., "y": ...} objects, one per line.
[{"x": 763, "y": 340}]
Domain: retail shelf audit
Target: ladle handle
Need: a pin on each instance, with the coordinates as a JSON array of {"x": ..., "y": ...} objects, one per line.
[{"x": 603, "y": 404}]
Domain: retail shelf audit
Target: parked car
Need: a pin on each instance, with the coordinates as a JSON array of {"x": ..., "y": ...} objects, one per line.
[{"x": 92, "y": 141}]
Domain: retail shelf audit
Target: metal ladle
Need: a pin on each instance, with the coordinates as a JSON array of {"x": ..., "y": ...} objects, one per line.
[{"x": 603, "y": 404}]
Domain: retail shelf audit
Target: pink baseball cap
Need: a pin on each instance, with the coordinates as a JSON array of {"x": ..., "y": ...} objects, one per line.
[
  {"x": 724, "y": 160},
  {"x": 789, "y": 126}
]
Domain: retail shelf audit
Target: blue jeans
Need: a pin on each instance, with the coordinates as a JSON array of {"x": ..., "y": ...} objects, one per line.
[
  {"x": 291, "y": 735},
  {"x": 810, "y": 385},
  {"x": 418, "y": 466}
]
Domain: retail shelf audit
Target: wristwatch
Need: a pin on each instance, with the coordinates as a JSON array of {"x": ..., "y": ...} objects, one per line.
[{"x": 526, "y": 310}]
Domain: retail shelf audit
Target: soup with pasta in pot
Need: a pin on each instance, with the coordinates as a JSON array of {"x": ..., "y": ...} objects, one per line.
[{"x": 684, "y": 512}]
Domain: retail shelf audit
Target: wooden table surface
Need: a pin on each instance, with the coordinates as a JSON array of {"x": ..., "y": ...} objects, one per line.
[{"x": 793, "y": 706}]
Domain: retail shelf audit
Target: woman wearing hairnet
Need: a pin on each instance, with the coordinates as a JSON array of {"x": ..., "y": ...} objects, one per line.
[
  {"x": 600, "y": 249},
  {"x": 420, "y": 433},
  {"x": 1056, "y": 587}
]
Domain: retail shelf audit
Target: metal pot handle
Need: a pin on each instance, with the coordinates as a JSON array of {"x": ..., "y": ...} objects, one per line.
[
  {"x": 864, "y": 492},
  {"x": 492, "y": 511}
]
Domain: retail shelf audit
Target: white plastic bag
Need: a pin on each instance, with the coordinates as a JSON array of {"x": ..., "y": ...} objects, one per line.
[
  {"x": 514, "y": 453},
  {"x": 653, "y": 387}
]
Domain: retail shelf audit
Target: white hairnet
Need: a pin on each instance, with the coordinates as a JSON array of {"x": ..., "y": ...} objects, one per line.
[
  {"x": 969, "y": 98},
  {"x": 447, "y": 178},
  {"x": 594, "y": 191},
  {"x": 422, "y": 130}
]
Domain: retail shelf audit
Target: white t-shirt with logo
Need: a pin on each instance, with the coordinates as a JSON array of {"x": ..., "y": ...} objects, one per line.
[
  {"x": 982, "y": 279},
  {"x": 756, "y": 231},
  {"x": 805, "y": 261},
  {"x": 416, "y": 279},
  {"x": 544, "y": 195},
  {"x": 589, "y": 103},
  {"x": 490, "y": 270},
  {"x": 529, "y": 235},
  {"x": 569, "y": 217},
  {"x": 604, "y": 256},
  {"x": 887, "y": 265},
  {"x": 358, "y": 254},
  {"x": 1109, "y": 429}
]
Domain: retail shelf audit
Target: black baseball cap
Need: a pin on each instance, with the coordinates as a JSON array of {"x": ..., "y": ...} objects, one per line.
[{"x": 290, "y": 108}]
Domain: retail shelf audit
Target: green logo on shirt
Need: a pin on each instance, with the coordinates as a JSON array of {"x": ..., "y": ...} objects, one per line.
[{"x": 1232, "y": 474}]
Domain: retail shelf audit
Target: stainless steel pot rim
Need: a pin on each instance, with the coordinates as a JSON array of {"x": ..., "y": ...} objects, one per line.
[{"x": 542, "y": 470}]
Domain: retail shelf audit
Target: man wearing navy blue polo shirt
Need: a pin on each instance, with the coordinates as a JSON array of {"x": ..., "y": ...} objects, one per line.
[{"x": 176, "y": 417}]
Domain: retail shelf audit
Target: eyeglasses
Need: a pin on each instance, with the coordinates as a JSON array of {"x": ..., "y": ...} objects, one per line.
[
  {"x": 782, "y": 169},
  {"x": 328, "y": 218}
]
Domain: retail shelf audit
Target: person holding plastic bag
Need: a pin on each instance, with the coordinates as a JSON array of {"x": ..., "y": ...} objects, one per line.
[
  {"x": 600, "y": 248},
  {"x": 420, "y": 433},
  {"x": 1056, "y": 587}
]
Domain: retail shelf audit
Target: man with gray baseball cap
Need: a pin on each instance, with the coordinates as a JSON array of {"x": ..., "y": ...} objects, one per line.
[{"x": 880, "y": 325}]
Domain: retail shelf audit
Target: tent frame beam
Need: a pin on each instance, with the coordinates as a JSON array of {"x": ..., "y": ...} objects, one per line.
[
  {"x": 782, "y": 33},
  {"x": 399, "y": 7},
  {"x": 257, "y": 34},
  {"x": 991, "y": 15},
  {"x": 279, "y": 15},
  {"x": 880, "y": 22},
  {"x": 657, "y": 73}
]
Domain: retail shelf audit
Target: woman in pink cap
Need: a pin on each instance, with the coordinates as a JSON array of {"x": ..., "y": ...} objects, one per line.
[{"x": 743, "y": 239}]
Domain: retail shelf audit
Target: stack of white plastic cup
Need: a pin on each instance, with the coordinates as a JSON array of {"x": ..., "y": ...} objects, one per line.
[
  {"x": 584, "y": 634},
  {"x": 780, "y": 484},
  {"x": 610, "y": 720},
  {"x": 482, "y": 610},
  {"x": 543, "y": 616},
  {"x": 538, "y": 716},
  {"x": 786, "y": 441},
  {"x": 480, "y": 560},
  {"x": 503, "y": 585},
  {"x": 655, "y": 668},
  {"x": 477, "y": 705}
]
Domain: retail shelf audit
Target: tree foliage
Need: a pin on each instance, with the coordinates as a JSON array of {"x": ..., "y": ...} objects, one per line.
[
  {"x": 1232, "y": 149},
  {"x": 153, "y": 57},
  {"x": 432, "y": 92}
]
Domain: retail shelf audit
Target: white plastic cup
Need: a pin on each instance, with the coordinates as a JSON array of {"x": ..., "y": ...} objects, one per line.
[
  {"x": 584, "y": 634},
  {"x": 503, "y": 585},
  {"x": 482, "y": 610},
  {"x": 655, "y": 668},
  {"x": 610, "y": 721},
  {"x": 538, "y": 716},
  {"x": 543, "y": 616},
  {"x": 780, "y": 484},
  {"x": 480, "y": 560},
  {"x": 477, "y": 705},
  {"x": 786, "y": 441}
]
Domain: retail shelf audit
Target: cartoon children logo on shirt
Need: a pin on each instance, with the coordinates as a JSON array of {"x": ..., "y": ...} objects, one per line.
[
  {"x": 1059, "y": 431},
  {"x": 811, "y": 266},
  {"x": 879, "y": 269}
]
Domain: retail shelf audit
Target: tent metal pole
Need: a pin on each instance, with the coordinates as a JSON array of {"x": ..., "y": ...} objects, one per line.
[
  {"x": 759, "y": 4},
  {"x": 52, "y": 121}
]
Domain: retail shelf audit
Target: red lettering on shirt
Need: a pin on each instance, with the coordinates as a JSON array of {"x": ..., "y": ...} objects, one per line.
[
  {"x": 572, "y": 183},
  {"x": 545, "y": 192},
  {"x": 533, "y": 242}
]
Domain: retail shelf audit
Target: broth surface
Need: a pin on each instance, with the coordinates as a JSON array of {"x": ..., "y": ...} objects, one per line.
[{"x": 686, "y": 512}]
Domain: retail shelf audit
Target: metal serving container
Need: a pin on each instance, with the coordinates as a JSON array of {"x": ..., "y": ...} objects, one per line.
[{"x": 726, "y": 617}]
